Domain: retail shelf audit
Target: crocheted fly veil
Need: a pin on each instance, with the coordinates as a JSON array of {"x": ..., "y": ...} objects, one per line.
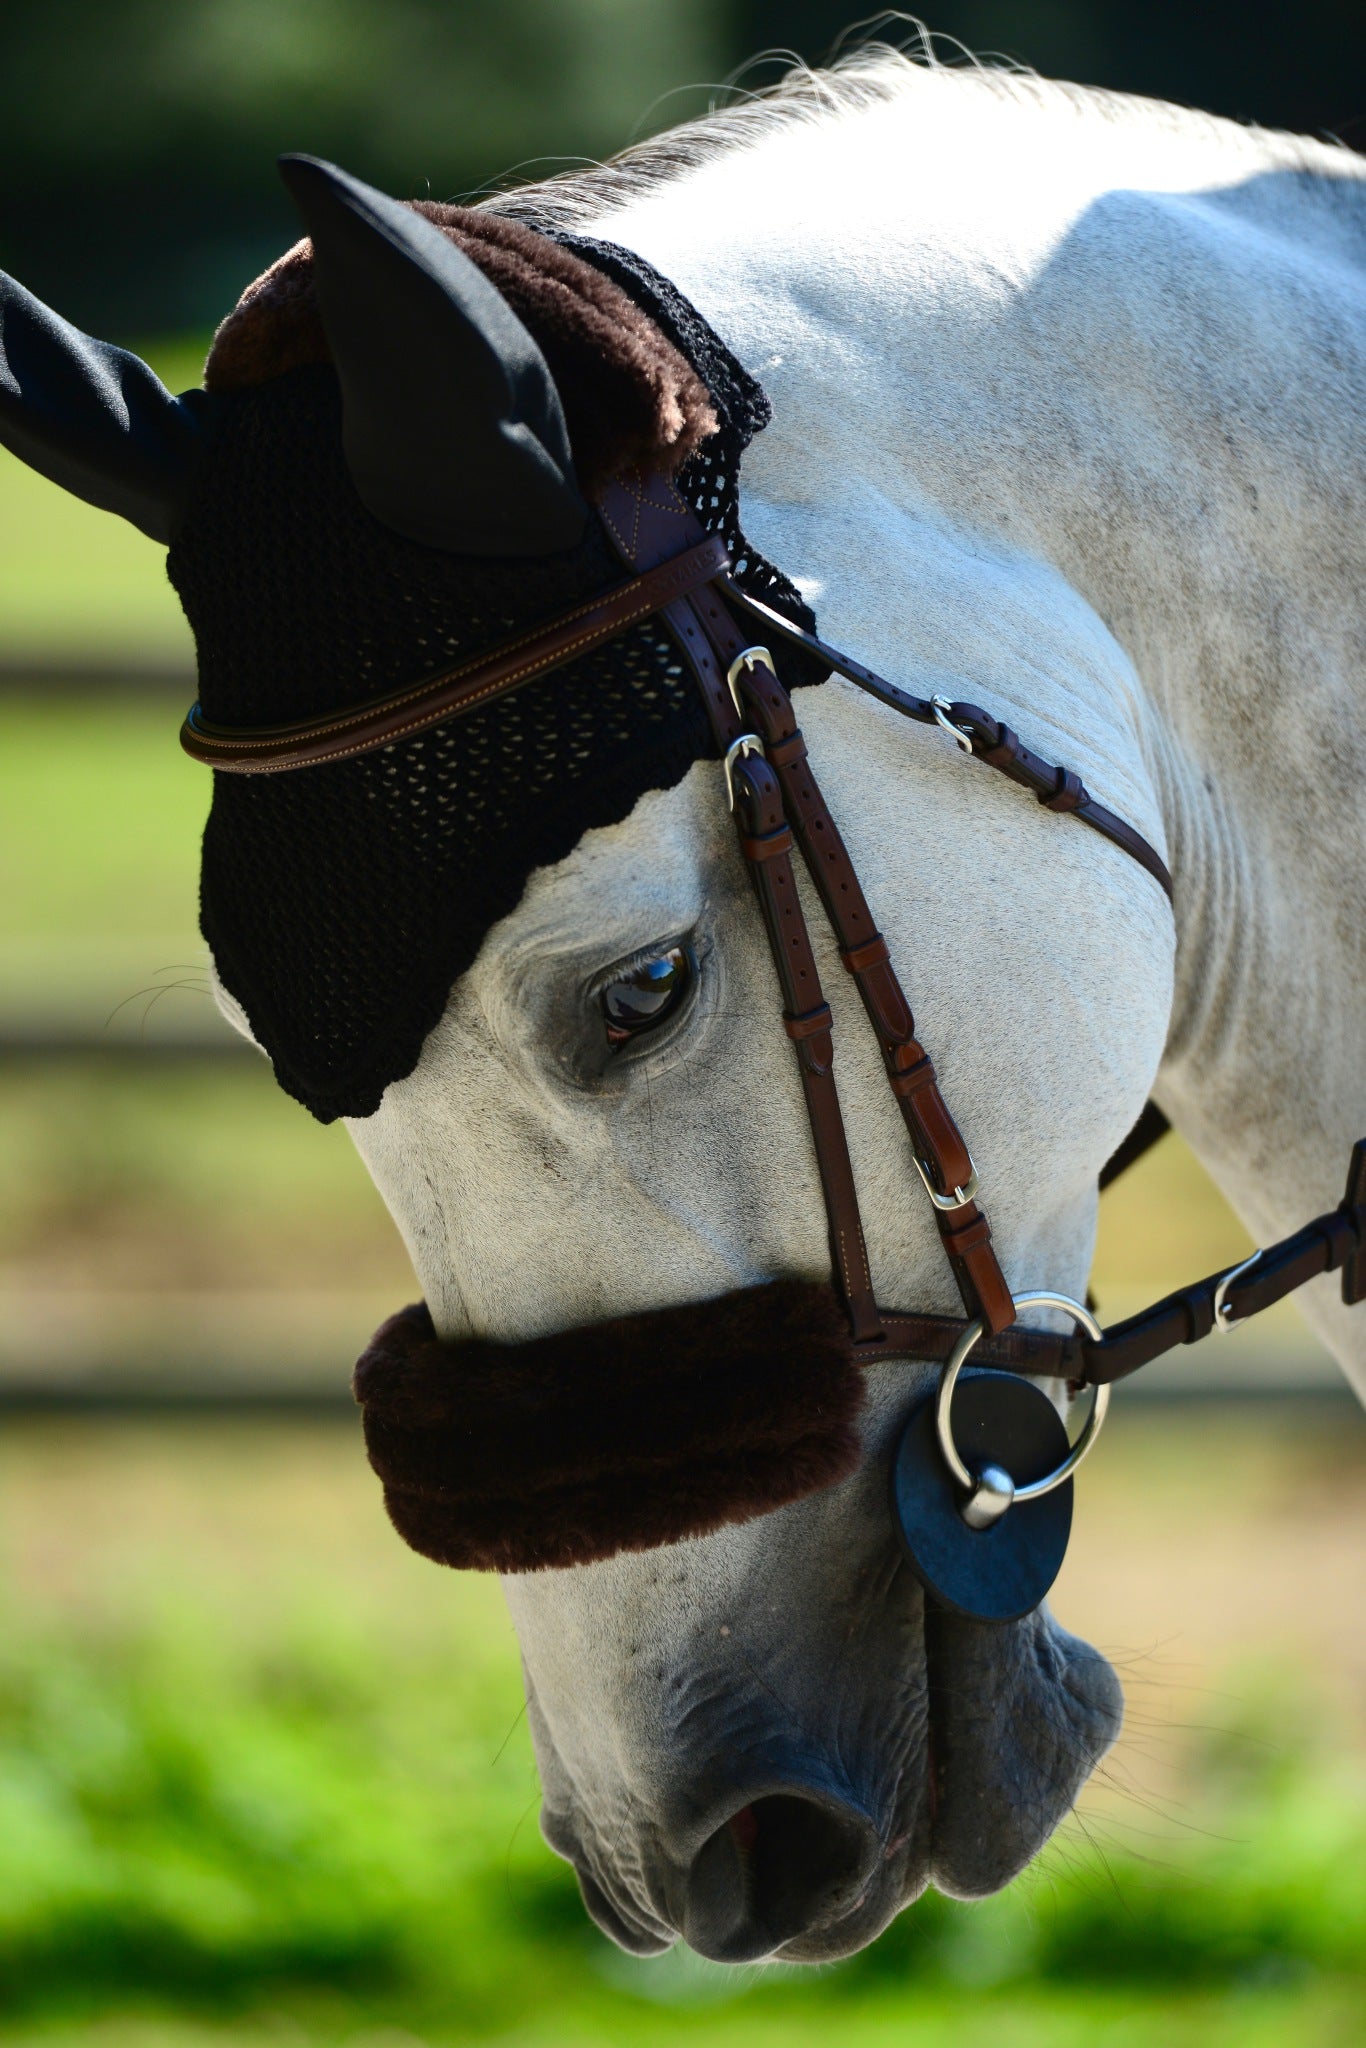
[
  {"x": 341, "y": 903},
  {"x": 391, "y": 472}
]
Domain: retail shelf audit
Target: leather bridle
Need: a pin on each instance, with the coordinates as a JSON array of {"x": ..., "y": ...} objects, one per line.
[{"x": 679, "y": 573}]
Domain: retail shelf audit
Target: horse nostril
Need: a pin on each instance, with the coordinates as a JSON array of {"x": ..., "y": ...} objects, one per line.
[
  {"x": 744, "y": 1829},
  {"x": 782, "y": 1866}
]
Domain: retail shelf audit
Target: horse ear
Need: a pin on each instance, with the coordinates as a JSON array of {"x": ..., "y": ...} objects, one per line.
[
  {"x": 451, "y": 423},
  {"x": 94, "y": 418}
]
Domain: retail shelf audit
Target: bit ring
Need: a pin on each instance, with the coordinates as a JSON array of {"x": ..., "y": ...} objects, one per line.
[{"x": 970, "y": 1481}]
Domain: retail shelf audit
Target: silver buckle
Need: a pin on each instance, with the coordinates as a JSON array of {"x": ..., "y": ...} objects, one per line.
[
  {"x": 748, "y": 743},
  {"x": 959, "y": 734},
  {"x": 960, "y": 1196},
  {"x": 1224, "y": 1319},
  {"x": 748, "y": 658}
]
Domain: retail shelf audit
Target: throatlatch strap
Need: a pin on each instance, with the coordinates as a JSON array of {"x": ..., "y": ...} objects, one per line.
[{"x": 980, "y": 735}]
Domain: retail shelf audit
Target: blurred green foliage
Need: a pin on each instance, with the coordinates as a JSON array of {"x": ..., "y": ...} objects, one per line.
[
  {"x": 100, "y": 813},
  {"x": 274, "y": 1776},
  {"x": 137, "y": 140}
]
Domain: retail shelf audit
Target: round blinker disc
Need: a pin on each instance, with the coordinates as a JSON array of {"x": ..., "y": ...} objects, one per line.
[{"x": 1001, "y": 1572}]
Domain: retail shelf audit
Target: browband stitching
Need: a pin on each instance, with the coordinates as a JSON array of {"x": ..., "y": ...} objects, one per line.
[{"x": 300, "y": 736}]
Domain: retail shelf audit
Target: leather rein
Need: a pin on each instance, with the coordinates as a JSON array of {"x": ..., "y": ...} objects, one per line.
[{"x": 679, "y": 573}]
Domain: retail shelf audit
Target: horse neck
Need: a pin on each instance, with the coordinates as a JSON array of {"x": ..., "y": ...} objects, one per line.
[{"x": 1131, "y": 352}]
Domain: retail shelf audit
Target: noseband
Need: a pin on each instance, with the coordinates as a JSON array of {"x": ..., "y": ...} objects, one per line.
[{"x": 981, "y": 1485}]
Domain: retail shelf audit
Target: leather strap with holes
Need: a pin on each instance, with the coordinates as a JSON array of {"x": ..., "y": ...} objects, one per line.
[
  {"x": 644, "y": 526},
  {"x": 766, "y": 844},
  {"x": 643, "y": 518},
  {"x": 935, "y": 1137},
  {"x": 983, "y": 737}
]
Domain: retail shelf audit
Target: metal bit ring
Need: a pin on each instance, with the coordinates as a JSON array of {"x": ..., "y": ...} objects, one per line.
[{"x": 970, "y": 1481}]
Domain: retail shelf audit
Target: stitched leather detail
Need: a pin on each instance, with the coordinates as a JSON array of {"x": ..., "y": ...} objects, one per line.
[{"x": 367, "y": 727}]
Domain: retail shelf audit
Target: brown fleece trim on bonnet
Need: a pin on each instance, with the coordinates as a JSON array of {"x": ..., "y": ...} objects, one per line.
[
  {"x": 614, "y": 1436},
  {"x": 630, "y": 399}
]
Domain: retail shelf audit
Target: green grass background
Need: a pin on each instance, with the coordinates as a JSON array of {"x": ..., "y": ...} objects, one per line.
[{"x": 264, "y": 1776}]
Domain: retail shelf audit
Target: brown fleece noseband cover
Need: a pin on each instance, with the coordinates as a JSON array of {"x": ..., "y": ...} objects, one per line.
[{"x": 616, "y": 1436}]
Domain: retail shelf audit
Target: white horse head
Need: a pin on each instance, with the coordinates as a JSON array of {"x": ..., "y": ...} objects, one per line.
[{"x": 1026, "y": 350}]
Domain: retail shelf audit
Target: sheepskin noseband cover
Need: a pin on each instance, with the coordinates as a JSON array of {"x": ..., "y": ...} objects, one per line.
[{"x": 615, "y": 1436}]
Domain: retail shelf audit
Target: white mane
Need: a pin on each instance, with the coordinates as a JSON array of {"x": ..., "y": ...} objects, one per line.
[{"x": 941, "y": 96}]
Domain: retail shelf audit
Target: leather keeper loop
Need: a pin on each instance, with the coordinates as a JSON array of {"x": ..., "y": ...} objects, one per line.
[
  {"x": 871, "y": 953},
  {"x": 809, "y": 1023},
  {"x": 1006, "y": 750},
  {"x": 940, "y": 1138},
  {"x": 1069, "y": 793},
  {"x": 1199, "y": 1315},
  {"x": 784, "y": 753},
  {"x": 1353, "y": 1212},
  {"x": 922, "y": 1075},
  {"x": 965, "y": 1237},
  {"x": 768, "y": 845}
]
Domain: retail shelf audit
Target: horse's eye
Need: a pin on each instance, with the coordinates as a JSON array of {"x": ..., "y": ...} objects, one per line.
[{"x": 644, "y": 996}]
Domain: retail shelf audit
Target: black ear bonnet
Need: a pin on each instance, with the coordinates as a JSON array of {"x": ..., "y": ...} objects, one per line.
[{"x": 343, "y": 902}]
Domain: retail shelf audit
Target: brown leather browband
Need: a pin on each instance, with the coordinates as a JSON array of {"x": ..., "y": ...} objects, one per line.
[
  {"x": 679, "y": 574},
  {"x": 267, "y": 750}
]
